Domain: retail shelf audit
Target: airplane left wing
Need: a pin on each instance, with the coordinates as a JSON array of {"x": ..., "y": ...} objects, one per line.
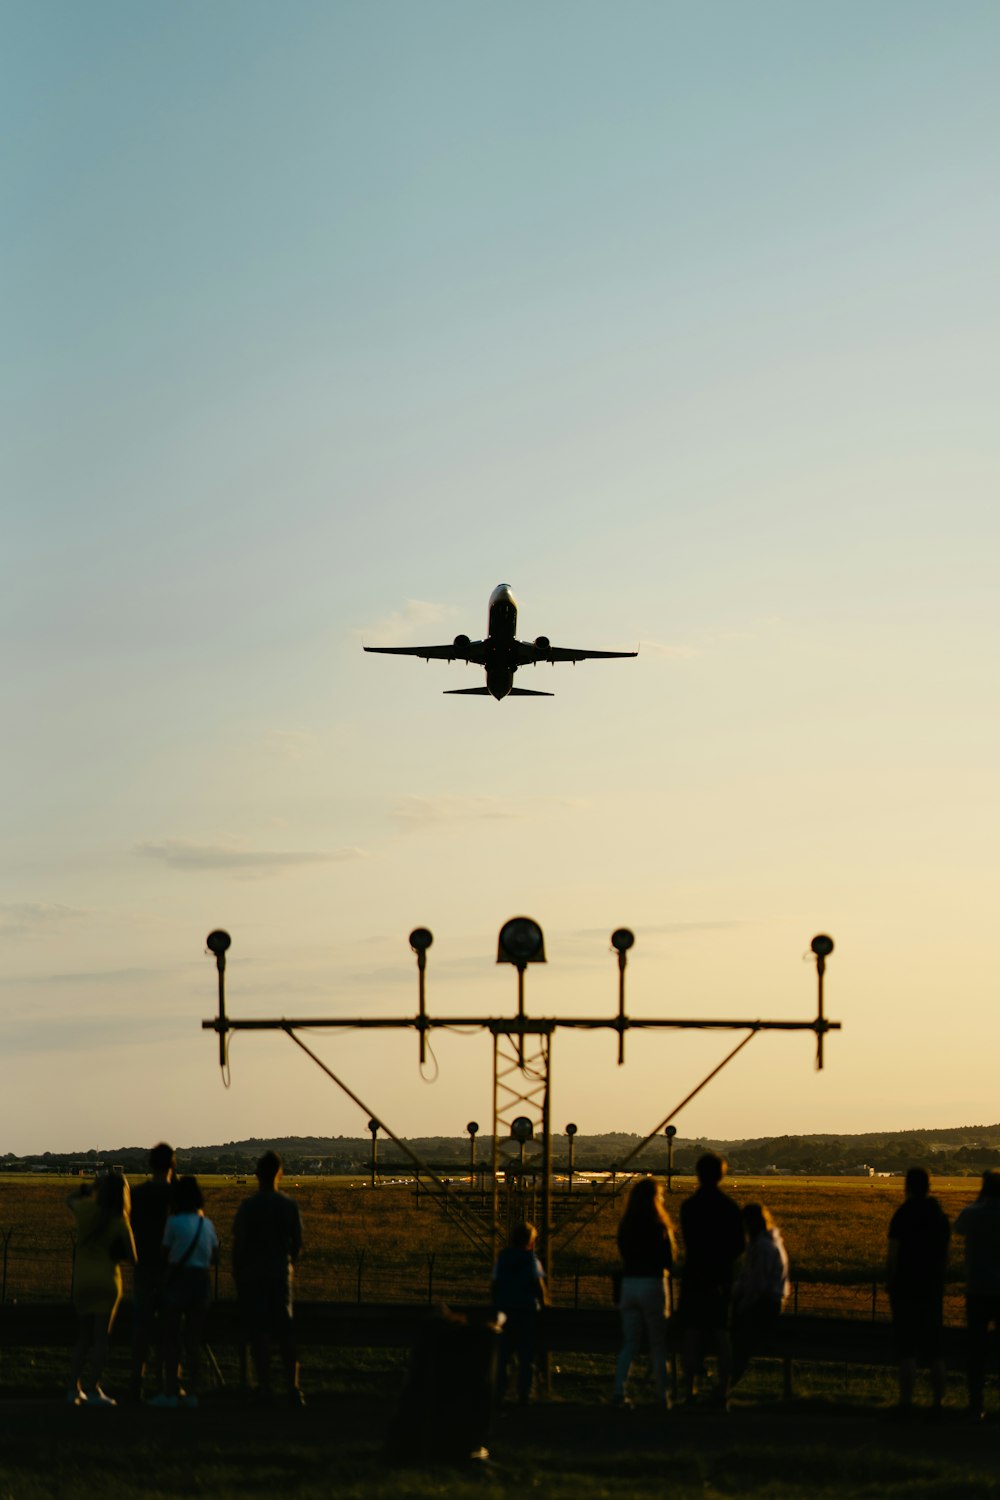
[{"x": 471, "y": 651}]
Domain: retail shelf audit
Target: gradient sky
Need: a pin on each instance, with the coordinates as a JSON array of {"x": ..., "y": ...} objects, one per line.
[{"x": 320, "y": 320}]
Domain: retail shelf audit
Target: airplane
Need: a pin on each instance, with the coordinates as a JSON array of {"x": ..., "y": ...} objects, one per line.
[{"x": 500, "y": 653}]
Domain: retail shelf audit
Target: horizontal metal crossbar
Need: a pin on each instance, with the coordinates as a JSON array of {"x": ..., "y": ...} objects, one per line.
[{"x": 513, "y": 1027}]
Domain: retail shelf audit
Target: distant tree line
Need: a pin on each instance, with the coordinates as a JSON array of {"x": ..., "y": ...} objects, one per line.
[{"x": 963, "y": 1151}]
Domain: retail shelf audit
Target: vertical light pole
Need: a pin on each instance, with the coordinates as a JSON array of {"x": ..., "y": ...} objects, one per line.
[
  {"x": 621, "y": 940},
  {"x": 670, "y": 1133},
  {"x": 217, "y": 942},
  {"x": 521, "y": 942},
  {"x": 822, "y": 946},
  {"x": 571, "y": 1140},
  {"x": 374, "y": 1127},
  {"x": 473, "y": 1131},
  {"x": 420, "y": 940}
]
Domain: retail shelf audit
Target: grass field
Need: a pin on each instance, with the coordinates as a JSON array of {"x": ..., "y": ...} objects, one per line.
[
  {"x": 834, "y": 1228},
  {"x": 835, "y": 1439}
]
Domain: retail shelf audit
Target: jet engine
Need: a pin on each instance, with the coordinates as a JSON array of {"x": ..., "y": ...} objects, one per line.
[
  {"x": 542, "y": 644},
  {"x": 462, "y": 644}
]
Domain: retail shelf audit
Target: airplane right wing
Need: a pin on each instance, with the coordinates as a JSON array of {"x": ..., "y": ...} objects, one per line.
[{"x": 535, "y": 653}]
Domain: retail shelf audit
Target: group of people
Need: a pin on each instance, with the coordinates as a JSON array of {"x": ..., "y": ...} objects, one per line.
[
  {"x": 162, "y": 1232},
  {"x": 734, "y": 1284}
]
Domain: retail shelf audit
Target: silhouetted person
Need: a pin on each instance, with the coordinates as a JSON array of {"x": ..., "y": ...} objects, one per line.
[
  {"x": 150, "y": 1210},
  {"x": 646, "y": 1246},
  {"x": 519, "y": 1291},
  {"x": 915, "y": 1274},
  {"x": 980, "y": 1224},
  {"x": 267, "y": 1239},
  {"x": 446, "y": 1407},
  {"x": 103, "y": 1240},
  {"x": 713, "y": 1241},
  {"x": 191, "y": 1248},
  {"x": 760, "y": 1289}
]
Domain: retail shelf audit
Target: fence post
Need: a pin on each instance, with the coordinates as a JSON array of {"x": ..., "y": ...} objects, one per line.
[
  {"x": 72, "y": 1263},
  {"x": 576, "y": 1286},
  {"x": 361, "y": 1270},
  {"x": 795, "y": 1304},
  {"x": 6, "y": 1241},
  {"x": 430, "y": 1277},
  {"x": 874, "y": 1296}
]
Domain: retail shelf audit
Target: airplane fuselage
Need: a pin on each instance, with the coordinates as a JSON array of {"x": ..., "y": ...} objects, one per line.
[{"x": 500, "y": 635}]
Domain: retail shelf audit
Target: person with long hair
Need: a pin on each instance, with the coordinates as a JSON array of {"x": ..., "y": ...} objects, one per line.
[
  {"x": 646, "y": 1246},
  {"x": 103, "y": 1242},
  {"x": 761, "y": 1288}
]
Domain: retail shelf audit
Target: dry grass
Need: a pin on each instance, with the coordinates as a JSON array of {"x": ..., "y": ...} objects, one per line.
[{"x": 835, "y": 1230}]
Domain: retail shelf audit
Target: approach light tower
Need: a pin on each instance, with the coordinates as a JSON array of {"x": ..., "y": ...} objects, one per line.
[{"x": 522, "y": 1062}]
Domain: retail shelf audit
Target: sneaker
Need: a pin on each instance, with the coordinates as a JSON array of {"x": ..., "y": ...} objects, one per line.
[
  {"x": 164, "y": 1402},
  {"x": 296, "y": 1398},
  {"x": 97, "y": 1397},
  {"x": 76, "y": 1397}
]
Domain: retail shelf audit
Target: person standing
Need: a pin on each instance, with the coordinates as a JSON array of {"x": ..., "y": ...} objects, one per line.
[
  {"x": 103, "y": 1241},
  {"x": 979, "y": 1222},
  {"x": 267, "y": 1240},
  {"x": 519, "y": 1293},
  {"x": 646, "y": 1246},
  {"x": 915, "y": 1271},
  {"x": 713, "y": 1242},
  {"x": 761, "y": 1288},
  {"x": 191, "y": 1248},
  {"x": 150, "y": 1211}
]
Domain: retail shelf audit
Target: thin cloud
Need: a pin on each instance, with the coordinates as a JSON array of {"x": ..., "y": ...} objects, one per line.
[
  {"x": 405, "y": 626},
  {"x": 19, "y": 917},
  {"x": 672, "y": 653},
  {"x": 181, "y": 854},
  {"x": 415, "y": 813}
]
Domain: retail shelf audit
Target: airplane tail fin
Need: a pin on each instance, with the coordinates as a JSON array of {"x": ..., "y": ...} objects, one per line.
[{"x": 480, "y": 692}]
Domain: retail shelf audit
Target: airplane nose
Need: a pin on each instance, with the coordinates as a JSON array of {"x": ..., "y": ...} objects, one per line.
[{"x": 503, "y": 594}]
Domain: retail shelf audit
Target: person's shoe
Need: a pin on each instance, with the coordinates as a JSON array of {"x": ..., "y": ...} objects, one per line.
[
  {"x": 190, "y": 1403},
  {"x": 296, "y": 1398},
  {"x": 76, "y": 1397},
  {"x": 97, "y": 1397},
  {"x": 163, "y": 1402},
  {"x": 621, "y": 1403}
]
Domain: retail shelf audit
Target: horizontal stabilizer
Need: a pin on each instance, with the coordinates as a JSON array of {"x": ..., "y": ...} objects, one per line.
[
  {"x": 528, "y": 693},
  {"x": 481, "y": 692}
]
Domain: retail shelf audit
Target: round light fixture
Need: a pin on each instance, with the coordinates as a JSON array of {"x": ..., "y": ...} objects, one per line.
[{"x": 521, "y": 942}]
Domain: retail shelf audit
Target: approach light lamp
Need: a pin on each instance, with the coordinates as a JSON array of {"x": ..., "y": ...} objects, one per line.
[
  {"x": 421, "y": 939},
  {"x": 217, "y": 942},
  {"x": 521, "y": 1129},
  {"x": 521, "y": 942},
  {"x": 473, "y": 1127},
  {"x": 374, "y": 1126},
  {"x": 622, "y": 939},
  {"x": 571, "y": 1130},
  {"x": 822, "y": 945},
  {"x": 670, "y": 1132}
]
